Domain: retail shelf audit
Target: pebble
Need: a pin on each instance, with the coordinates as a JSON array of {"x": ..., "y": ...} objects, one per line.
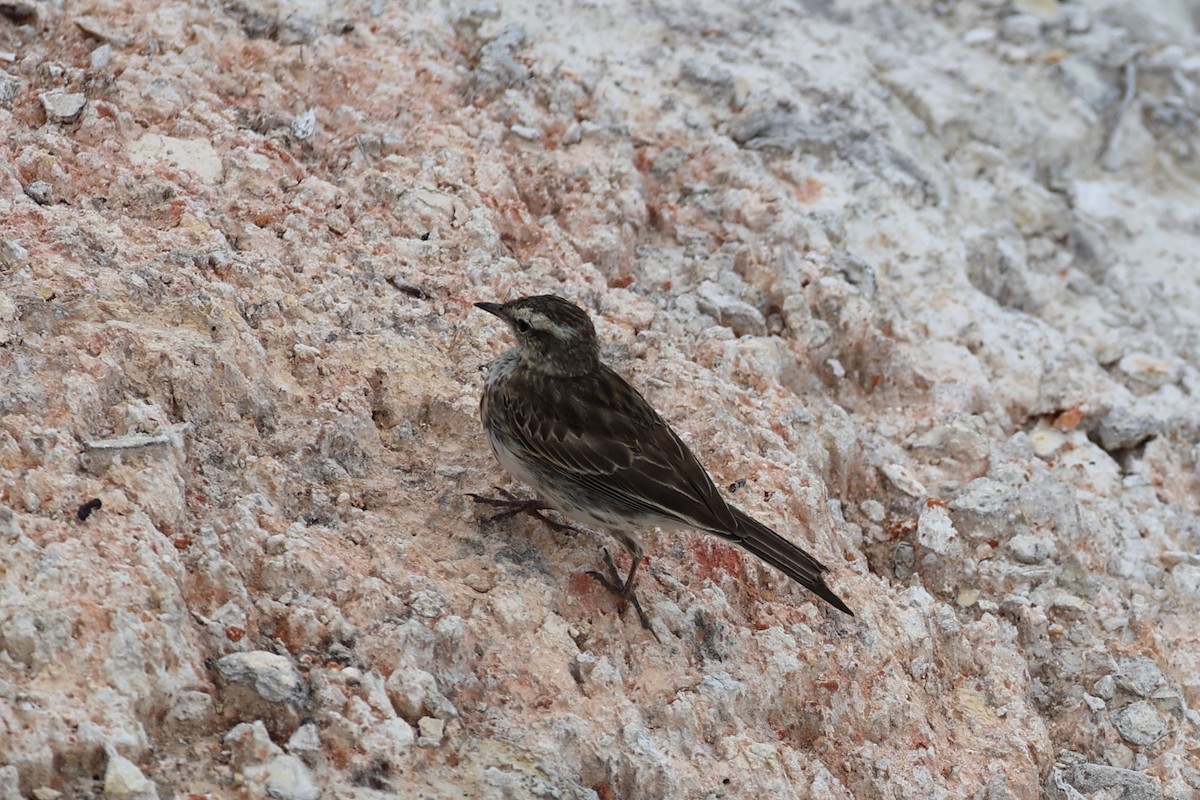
[
  {"x": 304, "y": 125},
  {"x": 729, "y": 311},
  {"x": 197, "y": 155},
  {"x": 985, "y": 496},
  {"x": 668, "y": 161},
  {"x": 40, "y": 192},
  {"x": 1131, "y": 785},
  {"x": 249, "y": 744},
  {"x": 904, "y": 480},
  {"x": 1046, "y": 442},
  {"x": 8, "y": 90},
  {"x": 63, "y": 107},
  {"x": 430, "y": 732},
  {"x": 935, "y": 530},
  {"x": 1139, "y": 723},
  {"x": 1128, "y": 426},
  {"x": 414, "y": 694},
  {"x": 1021, "y": 28},
  {"x": 1029, "y": 549},
  {"x": 1140, "y": 676},
  {"x": 1144, "y": 371},
  {"x": 124, "y": 781},
  {"x": 1076, "y": 19},
  {"x": 306, "y": 739},
  {"x": 272, "y": 677},
  {"x": 979, "y": 36},
  {"x": 100, "y": 57},
  {"x": 873, "y": 510},
  {"x": 286, "y": 777}
]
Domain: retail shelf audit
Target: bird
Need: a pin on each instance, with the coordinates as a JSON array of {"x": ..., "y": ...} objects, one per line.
[{"x": 593, "y": 449}]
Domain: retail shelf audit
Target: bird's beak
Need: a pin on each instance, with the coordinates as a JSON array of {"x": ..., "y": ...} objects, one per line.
[{"x": 492, "y": 308}]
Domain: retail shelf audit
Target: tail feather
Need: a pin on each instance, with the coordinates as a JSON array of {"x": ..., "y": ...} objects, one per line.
[{"x": 786, "y": 557}]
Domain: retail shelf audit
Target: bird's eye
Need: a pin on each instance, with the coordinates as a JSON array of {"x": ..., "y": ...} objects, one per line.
[{"x": 522, "y": 326}]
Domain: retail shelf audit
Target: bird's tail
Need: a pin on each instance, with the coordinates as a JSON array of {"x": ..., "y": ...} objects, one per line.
[{"x": 783, "y": 555}]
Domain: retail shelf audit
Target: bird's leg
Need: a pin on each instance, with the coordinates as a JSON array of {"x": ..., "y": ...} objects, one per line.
[
  {"x": 623, "y": 588},
  {"x": 515, "y": 505}
]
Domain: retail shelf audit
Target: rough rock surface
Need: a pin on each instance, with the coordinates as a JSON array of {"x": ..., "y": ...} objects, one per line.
[{"x": 918, "y": 281}]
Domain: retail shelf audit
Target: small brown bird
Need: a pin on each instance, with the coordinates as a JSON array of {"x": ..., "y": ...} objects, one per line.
[{"x": 593, "y": 449}]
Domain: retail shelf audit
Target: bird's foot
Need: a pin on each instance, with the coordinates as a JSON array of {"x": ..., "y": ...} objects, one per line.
[
  {"x": 623, "y": 589},
  {"x": 514, "y": 505}
]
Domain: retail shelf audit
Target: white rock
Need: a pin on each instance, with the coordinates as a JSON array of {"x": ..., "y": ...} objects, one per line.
[
  {"x": 904, "y": 480},
  {"x": 124, "y": 781},
  {"x": 63, "y": 107},
  {"x": 1029, "y": 549},
  {"x": 272, "y": 677},
  {"x": 935, "y": 530},
  {"x": 431, "y": 731},
  {"x": 195, "y": 155},
  {"x": 1046, "y": 442},
  {"x": 1139, "y": 723},
  {"x": 286, "y": 777}
]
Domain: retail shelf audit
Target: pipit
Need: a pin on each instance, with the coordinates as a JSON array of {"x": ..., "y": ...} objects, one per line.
[{"x": 594, "y": 450}]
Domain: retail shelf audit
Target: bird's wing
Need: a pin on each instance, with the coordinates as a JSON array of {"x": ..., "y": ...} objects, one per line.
[{"x": 612, "y": 442}]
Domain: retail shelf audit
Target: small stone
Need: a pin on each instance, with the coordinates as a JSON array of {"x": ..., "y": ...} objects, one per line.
[
  {"x": 189, "y": 710},
  {"x": 272, "y": 677},
  {"x": 430, "y": 731},
  {"x": 1105, "y": 688},
  {"x": 1139, "y": 723},
  {"x": 967, "y": 597},
  {"x": 1145, "y": 372},
  {"x": 1021, "y": 28},
  {"x": 124, "y": 781},
  {"x": 306, "y": 739},
  {"x": 304, "y": 125},
  {"x": 525, "y": 132},
  {"x": 40, "y": 192},
  {"x": 873, "y": 510},
  {"x": 249, "y": 744},
  {"x": 286, "y": 777},
  {"x": 1140, "y": 676},
  {"x": 1046, "y": 442},
  {"x": 904, "y": 480},
  {"x": 1128, "y": 426},
  {"x": 1130, "y": 785},
  {"x": 1062, "y": 600},
  {"x": 935, "y": 530},
  {"x": 1046, "y": 10},
  {"x": 668, "y": 161},
  {"x": 13, "y": 255},
  {"x": 985, "y": 496},
  {"x": 414, "y": 693},
  {"x": 98, "y": 28},
  {"x": 979, "y": 36},
  {"x": 1096, "y": 704},
  {"x": 8, "y": 90},
  {"x": 197, "y": 155},
  {"x": 1076, "y": 19},
  {"x": 100, "y": 57},
  {"x": 1029, "y": 549},
  {"x": 46, "y": 793},
  {"x": 63, "y": 107},
  {"x": 737, "y": 315}
]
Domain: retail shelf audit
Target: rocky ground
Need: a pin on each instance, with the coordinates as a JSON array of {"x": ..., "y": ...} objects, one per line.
[{"x": 917, "y": 281}]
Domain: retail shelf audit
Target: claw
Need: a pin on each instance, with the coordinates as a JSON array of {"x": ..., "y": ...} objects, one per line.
[
  {"x": 623, "y": 588},
  {"x": 514, "y": 505}
]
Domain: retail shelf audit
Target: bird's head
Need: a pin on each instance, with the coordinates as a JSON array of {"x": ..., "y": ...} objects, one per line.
[{"x": 554, "y": 335}]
